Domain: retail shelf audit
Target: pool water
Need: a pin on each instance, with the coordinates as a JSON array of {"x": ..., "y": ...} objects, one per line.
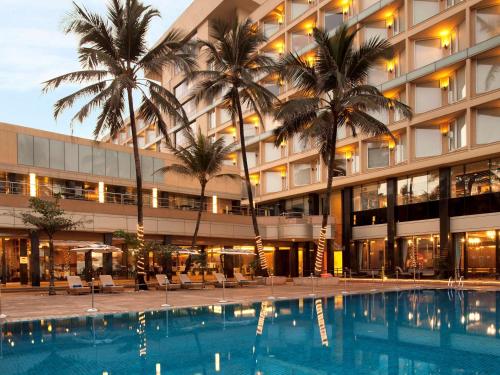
[{"x": 415, "y": 332}]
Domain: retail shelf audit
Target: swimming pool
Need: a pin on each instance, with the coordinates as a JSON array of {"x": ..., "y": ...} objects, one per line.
[{"x": 414, "y": 332}]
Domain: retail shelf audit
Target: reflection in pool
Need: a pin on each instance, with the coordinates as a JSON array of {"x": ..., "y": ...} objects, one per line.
[{"x": 416, "y": 332}]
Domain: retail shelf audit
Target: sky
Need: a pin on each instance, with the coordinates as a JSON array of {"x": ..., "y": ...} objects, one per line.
[{"x": 33, "y": 48}]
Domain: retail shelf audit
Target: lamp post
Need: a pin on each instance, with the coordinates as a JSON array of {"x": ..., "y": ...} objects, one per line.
[{"x": 92, "y": 309}]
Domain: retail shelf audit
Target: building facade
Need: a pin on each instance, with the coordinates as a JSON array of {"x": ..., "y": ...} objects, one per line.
[{"x": 427, "y": 201}]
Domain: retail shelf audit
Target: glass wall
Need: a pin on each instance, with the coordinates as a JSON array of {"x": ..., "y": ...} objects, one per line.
[
  {"x": 481, "y": 252},
  {"x": 418, "y": 252},
  {"x": 457, "y": 134},
  {"x": 418, "y": 188},
  {"x": 371, "y": 254},
  {"x": 488, "y": 74},
  {"x": 428, "y": 142},
  {"x": 302, "y": 174},
  {"x": 273, "y": 182},
  {"x": 475, "y": 178},
  {"x": 378, "y": 154},
  {"x": 368, "y": 197},
  {"x": 487, "y": 23},
  {"x": 487, "y": 129}
]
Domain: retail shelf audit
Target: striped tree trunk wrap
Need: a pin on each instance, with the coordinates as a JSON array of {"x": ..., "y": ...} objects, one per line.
[
  {"x": 321, "y": 322},
  {"x": 140, "y": 251},
  {"x": 260, "y": 251},
  {"x": 318, "y": 265},
  {"x": 141, "y": 331}
]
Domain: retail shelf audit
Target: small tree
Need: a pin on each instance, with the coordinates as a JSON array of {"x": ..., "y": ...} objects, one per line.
[
  {"x": 47, "y": 217},
  {"x": 203, "y": 160}
]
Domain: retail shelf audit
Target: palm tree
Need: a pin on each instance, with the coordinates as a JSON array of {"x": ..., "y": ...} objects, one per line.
[
  {"x": 202, "y": 159},
  {"x": 332, "y": 93},
  {"x": 234, "y": 68},
  {"x": 115, "y": 59},
  {"x": 49, "y": 218}
]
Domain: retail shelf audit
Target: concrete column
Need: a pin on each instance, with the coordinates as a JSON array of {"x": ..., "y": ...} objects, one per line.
[
  {"x": 23, "y": 261},
  {"x": 346, "y": 227},
  {"x": 35, "y": 259},
  {"x": 446, "y": 255},
  {"x": 391, "y": 225},
  {"x": 107, "y": 259}
]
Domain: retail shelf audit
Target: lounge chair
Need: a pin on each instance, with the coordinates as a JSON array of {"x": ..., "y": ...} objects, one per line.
[
  {"x": 221, "y": 279},
  {"x": 75, "y": 286},
  {"x": 242, "y": 280},
  {"x": 187, "y": 283},
  {"x": 164, "y": 282},
  {"x": 108, "y": 285}
]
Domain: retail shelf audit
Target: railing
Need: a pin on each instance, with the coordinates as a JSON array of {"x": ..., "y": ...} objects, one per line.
[{"x": 92, "y": 195}]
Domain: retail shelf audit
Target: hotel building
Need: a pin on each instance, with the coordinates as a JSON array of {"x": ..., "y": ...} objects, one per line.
[{"x": 430, "y": 199}]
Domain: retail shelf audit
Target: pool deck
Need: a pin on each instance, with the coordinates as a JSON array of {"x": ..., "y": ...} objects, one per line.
[{"x": 38, "y": 305}]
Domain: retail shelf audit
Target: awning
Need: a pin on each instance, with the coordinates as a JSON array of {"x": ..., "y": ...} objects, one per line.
[{"x": 97, "y": 248}]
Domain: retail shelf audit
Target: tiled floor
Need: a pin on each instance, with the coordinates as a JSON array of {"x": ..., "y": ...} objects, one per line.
[{"x": 31, "y": 305}]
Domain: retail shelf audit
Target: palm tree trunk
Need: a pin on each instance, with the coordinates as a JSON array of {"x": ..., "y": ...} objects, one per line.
[
  {"x": 318, "y": 266},
  {"x": 258, "y": 239},
  {"x": 52, "y": 287},
  {"x": 138, "y": 181},
  {"x": 197, "y": 227}
]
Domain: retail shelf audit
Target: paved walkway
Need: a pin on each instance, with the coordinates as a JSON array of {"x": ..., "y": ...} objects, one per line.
[{"x": 30, "y": 305}]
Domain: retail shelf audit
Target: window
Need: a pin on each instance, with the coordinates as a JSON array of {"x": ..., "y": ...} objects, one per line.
[
  {"x": 400, "y": 149},
  {"x": 301, "y": 174},
  {"x": 423, "y": 9},
  {"x": 401, "y": 96},
  {"x": 495, "y": 175},
  {"x": 270, "y": 28},
  {"x": 487, "y": 23},
  {"x": 225, "y": 116},
  {"x": 487, "y": 125},
  {"x": 181, "y": 90},
  {"x": 355, "y": 162},
  {"x": 378, "y": 154},
  {"x": 456, "y": 88},
  {"x": 377, "y": 74},
  {"x": 375, "y": 30},
  {"x": 297, "y": 7},
  {"x": 273, "y": 182},
  {"x": 366, "y": 3},
  {"x": 488, "y": 74},
  {"x": 212, "y": 123},
  {"x": 474, "y": 178},
  {"x": 333, "y": 19},
  {"x": 457, "y": 134},
  {"x": 418, "y": 188},
  {"x": 428, "y": 142},
  {"x": 299, "y": 41},
  {"x": 252, "y": 158},
  {"x": 368, "y": 197},
  {"x": 428, "y": 96},
  {"x": 340, "y": 165},
  {"x": 271, "y": 152},
  {"x": 298, "y": 144},
  {"x": 427, "y": 51}
]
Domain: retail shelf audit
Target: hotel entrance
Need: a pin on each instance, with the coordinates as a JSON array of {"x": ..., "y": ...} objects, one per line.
[{"x": 14, "y": 264}]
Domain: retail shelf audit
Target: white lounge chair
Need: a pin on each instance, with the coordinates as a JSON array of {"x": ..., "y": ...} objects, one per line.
[
  {"x": 164, "y": 282},
  {"x": 187, "y": 283},
  {"x": 108, "y": 285},
  {"x": 221, "y": 279},
  {"x": 242, "y": 280},
  {"x": 75, "y": 286}
]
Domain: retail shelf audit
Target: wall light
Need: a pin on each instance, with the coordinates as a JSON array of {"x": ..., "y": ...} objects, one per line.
[
  {"x": 100, "y": 191},
  {"x": 390, "y": 66},
  {"x": 32, "y": 185},
  {"x": 444, "y": 83},
  {"x": 154, "y": 198},
  {"x": 345, "y": 6},
  {"x": 348, "y": 155},
  {"x": 280, "y": 19},
  {"x": 389, "y": 22},
  {"x": 283, "y": 173},
  {"x": 214, "y": 204},
  {"x": 391, "y": 144},
  {"x": 311, "y": 60},
  {"x": 445, "y": 39}
]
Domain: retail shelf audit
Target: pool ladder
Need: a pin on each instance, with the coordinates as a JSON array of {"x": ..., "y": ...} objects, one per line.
[{"x": 459, "y": 283}]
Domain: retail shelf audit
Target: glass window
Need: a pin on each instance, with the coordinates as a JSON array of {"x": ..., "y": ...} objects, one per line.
[
  {"x": 273, "y": 182},
  {"x": 481, "y": 251},
  {"x": 340, "y": 165},
  {"x": 41, "y": 152},
  {"x": 157, "y": 164},
  {"x": 457, "y": 90},
  {"x": 211, "y": 120},
  {"x": 299, "y": 41},
  {"x": 366, "y": 3},
  {"x": 428, "y": 96},
  {"x": 297, "y": 7},
  {"x": 84, "y": 159},
  {"x": 298, "y": 144},
  {"x": 111, "y": 163},
  {"x": 25, "y": 149},
  {"x": 371, "y": 255},
  {"x": 457, "y": 134},
  {"x": 403, "y": 192},
  {"x": 457, "y": 181},
  {"x": 375, "y": 30},
  {"x": 433, "y": 185},
  {"x": 98, "y": 161},
  {"x": 423, "y": 9},
  {"x": 428, "y": 142},
  {"x": 377, "y": 75},
  {"x": 333, "y": 19},
  {"x": 427, "y": 51},
  {"x": 251, "y": 160},
  {"x": 356, "y": 198},
  {"x": 477, "y": 178},
  {"x": 495, "y": 175},
  {"x": 301, "y": 174},
  {"x": 488, "y": 74},
  {"x": 124, "y": 161},
  {"x": 382, "y": 194},
  {"x": 269, "y": 28},
  {"x": 487, "y": 23},
  {"x": 400, "y": 149},
  {"x": 418, "y": 188},
  {"x": 369, "y": 197},
  {"x": 378, "y": 154},
  {"x": 487, "y": 125},
  {"x": 56, "y": 154},
  {"x": 147, "y": 168},
  {"x": 71, "y": 156},
  {"x": 225, "y": 116},
  {"x": 271, "y": 152}
]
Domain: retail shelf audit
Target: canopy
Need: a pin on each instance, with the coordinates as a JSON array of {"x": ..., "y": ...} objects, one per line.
[
  {"x": 97, "y": 248},
  {"x": 236, "y": 252}
]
